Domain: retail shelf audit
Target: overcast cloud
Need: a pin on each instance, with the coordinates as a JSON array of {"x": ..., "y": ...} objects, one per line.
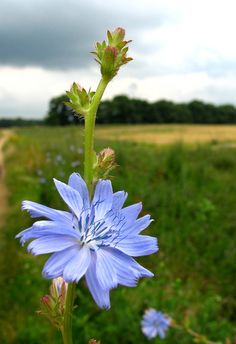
[{"x": 182, "y": 50}]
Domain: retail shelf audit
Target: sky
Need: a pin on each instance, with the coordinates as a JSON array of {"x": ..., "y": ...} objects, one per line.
[{"x": 182, "y": 50}]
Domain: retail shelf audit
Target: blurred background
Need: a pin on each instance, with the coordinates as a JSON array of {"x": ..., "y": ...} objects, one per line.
[{"x": 170, "y": 115}]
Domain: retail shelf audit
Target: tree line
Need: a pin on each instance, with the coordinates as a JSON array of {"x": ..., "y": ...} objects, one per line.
[
  {"x": 122, "y": 109},
  {"x": 19, "y": 122}
]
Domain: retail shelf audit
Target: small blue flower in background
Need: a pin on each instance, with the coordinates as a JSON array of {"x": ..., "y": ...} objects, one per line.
[
  {"x": 48, "y": 157},
  {"x": 75, "y": 163},
  {"x": 59, "y": 159},
  {"x": 39, "y": 173},
  {"x": 72, "y": 148},
  {"x": 42, "y": 180},
  {"x": 154, "y": 323},
  {"x": 96, "y": 239}
]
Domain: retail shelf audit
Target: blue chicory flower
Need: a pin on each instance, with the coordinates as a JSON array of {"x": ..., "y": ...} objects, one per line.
[
  {"x": 96, "y": 239},
  {"x": 154, "y": 323}
]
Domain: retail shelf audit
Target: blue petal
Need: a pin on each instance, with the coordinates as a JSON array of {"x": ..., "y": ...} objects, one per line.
[
  {"x": 45, "y": 228},
  {"x": 103, "y": 198},
  {"x": 149, "y": 331},
  {"x": 77, "y": 183},
  {"x": 131, "y": 213},
  {"x": 24, "y": 235},
  {"x": 106, "y": 274},
  {"x": 101, "y": 296},
  {"x": 71, "y": 197},
  {"x": 122, "y": 276},
  {"x": 139, "y": 225},
  {"x": 39, "y": 210},
  {"x": 139, "y": 245},
  {"x": 77, "y": 266},
  {"x": 126, "y": 268},
  {"x": 55, "y": 265},
  {"x": 161, "y": 333},
  {"x": 51, "y": 243},
  {"x": 118, "y": 200}
]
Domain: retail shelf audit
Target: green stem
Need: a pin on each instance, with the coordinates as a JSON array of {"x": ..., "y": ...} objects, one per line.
[
  {"x": 89, "y": 133},
  {"x": 88, "y": 176},
  {"x": 67, "y": 328}
]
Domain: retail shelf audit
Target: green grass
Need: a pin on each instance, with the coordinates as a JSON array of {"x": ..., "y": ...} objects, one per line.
[{"x": 189, "y": 191}]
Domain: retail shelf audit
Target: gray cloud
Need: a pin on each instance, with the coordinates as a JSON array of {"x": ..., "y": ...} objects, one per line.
[{"x": 59, "y": 34}]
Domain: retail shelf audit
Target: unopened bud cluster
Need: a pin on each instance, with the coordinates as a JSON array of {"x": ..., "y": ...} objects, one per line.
[
  {"x": 53, "y": 305},
  {"x": 112, "y": 55},
  {"x": 104, "y": 163},
  {"x": 79, "y": 99}
]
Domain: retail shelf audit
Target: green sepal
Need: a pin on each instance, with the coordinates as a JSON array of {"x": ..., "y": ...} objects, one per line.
[{"x": 79, "y": 99}]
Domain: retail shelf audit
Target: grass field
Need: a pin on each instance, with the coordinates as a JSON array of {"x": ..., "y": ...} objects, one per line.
[{"x": 190, "y": 191}]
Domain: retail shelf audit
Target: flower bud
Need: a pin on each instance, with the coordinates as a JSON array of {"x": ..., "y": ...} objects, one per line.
[
  {"x": 79, "y": 99},
  {"x": 111, "y": 55},
  {"x": 108, "y": 61},
  {"x": 46, "y": 300},
  {"x": 93, "y": 341},
  {"x": 116, "y": 36},
  {"x": 53, "y": 305},
  {"x": 58, "y": 289},
  {"x": 105, "y": 163},
  {"x": 107, "y": 155}
]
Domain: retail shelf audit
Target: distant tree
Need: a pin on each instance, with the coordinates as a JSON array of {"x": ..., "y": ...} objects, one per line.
[
  {"x": 182, "y": 114},
  {"x": 59, "y": 113},
  {"x": 19, "y": 122},
  {"x": 227, "y": 114},
  {"x": 199, "y": 111},
  {"x": 164, "y": 111}
]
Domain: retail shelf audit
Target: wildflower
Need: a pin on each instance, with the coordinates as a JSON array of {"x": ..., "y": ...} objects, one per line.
[
  {"x": 75, "y": 163},
  {"x": 72, "y": 148},
  {"x": 96, "y": 239},
  {"x": 42, "y": 180},
  {"x": 154, "y": 323},
  {"x": 59, "y": 159},
  {"x": 39, "y": 172}
]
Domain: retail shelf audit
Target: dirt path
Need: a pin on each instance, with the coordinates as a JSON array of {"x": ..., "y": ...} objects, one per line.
[{"x": 4, "y": 136}]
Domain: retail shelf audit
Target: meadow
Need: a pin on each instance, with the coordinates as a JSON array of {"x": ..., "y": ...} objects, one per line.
[{"x": 189, "y": 188}]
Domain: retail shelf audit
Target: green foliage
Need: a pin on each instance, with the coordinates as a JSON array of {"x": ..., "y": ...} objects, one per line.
[{"x": 189, "y": 191}]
